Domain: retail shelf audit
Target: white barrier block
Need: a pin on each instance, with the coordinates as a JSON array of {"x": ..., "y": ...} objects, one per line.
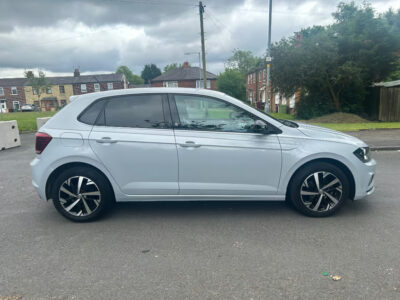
[
  {"x": 9, "y": 134},
  {"x": 41, "y": 121}
]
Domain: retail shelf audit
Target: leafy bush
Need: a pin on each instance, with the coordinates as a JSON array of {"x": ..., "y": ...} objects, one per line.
[{"x": 313, "y": 105}]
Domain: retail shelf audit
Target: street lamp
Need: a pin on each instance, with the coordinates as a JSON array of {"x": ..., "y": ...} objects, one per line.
[{"x": 198, "y": 53}]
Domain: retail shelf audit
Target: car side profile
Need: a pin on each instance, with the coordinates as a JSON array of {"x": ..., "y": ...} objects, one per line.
[{"x": 176, "y": 144}]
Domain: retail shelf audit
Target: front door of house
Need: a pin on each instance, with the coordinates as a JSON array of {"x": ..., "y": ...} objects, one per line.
[
  {"x": 16, "y": 105},
  {"x": 3, "y": 106}
]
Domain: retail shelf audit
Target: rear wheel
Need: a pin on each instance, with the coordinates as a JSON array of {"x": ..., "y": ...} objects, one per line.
[
  {"x": 81, "y": 194},
  {"x": 319, "y": 189}
]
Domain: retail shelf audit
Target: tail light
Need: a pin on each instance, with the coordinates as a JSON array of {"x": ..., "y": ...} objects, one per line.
[{"x": 42, "y": 140}]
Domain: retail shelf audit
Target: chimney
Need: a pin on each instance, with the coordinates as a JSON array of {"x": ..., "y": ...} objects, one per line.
[
  {"x": 76, "y": 73},
  {"x": 186, "y": 64}
]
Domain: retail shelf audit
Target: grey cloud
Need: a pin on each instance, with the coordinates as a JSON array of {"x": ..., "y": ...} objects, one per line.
[
  {"x": 99, "y": 12},
  {"x": 165, "y": 29}
]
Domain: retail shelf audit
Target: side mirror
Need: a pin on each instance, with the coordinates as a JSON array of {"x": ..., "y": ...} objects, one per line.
[{"x": 259, "y": 127}]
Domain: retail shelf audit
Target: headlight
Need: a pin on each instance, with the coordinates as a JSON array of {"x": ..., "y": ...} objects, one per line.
[{"x": 363, "y": 154}]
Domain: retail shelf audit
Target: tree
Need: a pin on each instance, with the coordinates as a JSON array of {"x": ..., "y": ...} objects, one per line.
[
  {"x": 336, "y": 63},
  {"x": 39, "y": 84},
  {"x": 130, "y": 77},
  {"x": 149, "y": 72},
  {"x": 29, "y": 74},
  {"x": 171, "y": 67},
  {"x": 244, "y": 61},
  {"x": 233, "y": 83}
]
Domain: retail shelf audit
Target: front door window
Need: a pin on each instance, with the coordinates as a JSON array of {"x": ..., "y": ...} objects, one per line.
[{"x": 204, "y": 113}]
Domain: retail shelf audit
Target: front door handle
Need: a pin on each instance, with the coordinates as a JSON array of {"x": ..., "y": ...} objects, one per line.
[
  {"x": 190, "y": 144},
  {"x": 106, "y": 140}
]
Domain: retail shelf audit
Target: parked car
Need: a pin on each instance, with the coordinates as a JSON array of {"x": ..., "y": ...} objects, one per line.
[
  {"x": 28, "y": 107},
  {"x": 158, "y": 144}
]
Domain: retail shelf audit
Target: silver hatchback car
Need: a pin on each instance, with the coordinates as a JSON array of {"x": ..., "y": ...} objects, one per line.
[{"x": 178, "y": 144}]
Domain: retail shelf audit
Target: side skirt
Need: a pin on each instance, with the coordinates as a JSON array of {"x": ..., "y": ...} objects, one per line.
[{"x": 152, "y": 198}]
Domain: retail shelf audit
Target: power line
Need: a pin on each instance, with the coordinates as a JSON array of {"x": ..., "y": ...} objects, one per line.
[{"x": 215, "y": 20}]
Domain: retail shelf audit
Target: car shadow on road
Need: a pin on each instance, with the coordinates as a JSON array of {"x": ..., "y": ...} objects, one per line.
[
  {"x": 272, "y": 211},
  {"x": 275, "y": 209}
]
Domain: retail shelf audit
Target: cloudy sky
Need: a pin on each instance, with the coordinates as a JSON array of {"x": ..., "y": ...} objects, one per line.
[{"x": 100, "y": 35}]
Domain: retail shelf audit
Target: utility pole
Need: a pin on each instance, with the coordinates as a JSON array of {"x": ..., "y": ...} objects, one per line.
[
  {"x": 268, "y": 59},
  {"x": 203, "y": 47}
]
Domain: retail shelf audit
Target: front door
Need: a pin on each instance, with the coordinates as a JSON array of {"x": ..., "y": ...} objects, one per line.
[
  {"x": 218, "y": 153},
  {"x": 134, "y": 140},
  {"x": 3, "y": 106}
]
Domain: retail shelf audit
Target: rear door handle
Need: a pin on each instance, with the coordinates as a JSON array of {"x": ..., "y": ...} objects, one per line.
[
  {"x": 106, "y": 140},
  {"x": 190, "y": 144}
]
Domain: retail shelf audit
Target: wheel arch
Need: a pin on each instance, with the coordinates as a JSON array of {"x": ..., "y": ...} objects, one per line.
[
  {"x": 65, "y": 166},
  {"x": 334, "y": 162}
]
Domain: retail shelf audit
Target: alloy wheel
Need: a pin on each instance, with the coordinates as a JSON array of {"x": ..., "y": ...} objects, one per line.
[
  {"x": 79, "y": 196},
  {"x": 321, "y": 191}
]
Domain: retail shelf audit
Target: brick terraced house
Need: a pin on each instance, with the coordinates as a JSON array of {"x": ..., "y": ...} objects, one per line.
[
  {"x": 185, "y": 76},
  {"x": 257, "y": 92},
  {"x": 62, "y": 87},
  {"x": 12, "y": 94},
  {"x": 83, "y": 84}
]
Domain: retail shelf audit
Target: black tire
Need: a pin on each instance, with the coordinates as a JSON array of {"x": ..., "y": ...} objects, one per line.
[
  {"x": 305, "y": 172},
  {"x": 101, "y": 184}
]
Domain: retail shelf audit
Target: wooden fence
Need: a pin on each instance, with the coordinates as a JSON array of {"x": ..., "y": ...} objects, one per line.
[{"x": 389, "y": 104}]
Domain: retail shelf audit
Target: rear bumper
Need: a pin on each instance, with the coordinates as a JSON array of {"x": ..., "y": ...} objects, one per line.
[{"x": 37, "y": 179}]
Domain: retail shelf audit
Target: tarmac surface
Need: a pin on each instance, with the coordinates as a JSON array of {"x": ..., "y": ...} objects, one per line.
[
  {"x": 198, "y": 250},
  {"x": 379, "y": 139}
]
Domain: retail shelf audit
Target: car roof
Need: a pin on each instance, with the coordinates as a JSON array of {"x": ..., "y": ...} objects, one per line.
[{"x": 151, "y": 90}]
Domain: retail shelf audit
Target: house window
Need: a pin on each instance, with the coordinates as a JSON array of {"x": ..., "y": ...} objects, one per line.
[
  {"x": 97, "y": 87},
  {"x": 170, "y": 83},
  {"x": 63, "y": 103},
  {"x": 83, "y": 88},
  {"x": 110, "y": 86},
  {"x": 260, "y": 76},
  {"x": 14, "y": 90},
  {"x": 35, "y": 91},
  {"x": 16, "y": 105},
  {"x": 250, "y": 96},
  {"x": 36, "y": 103},
  {"x": 62, "y": 89},
  {"x": 1, "y": 91},
  {"x": 199, "y": 84},
  {"x": 48, "y": 90}
]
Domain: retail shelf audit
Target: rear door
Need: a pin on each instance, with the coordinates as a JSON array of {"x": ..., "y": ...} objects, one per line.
[
  {"x": 134, "y": 140},
  {"x": 218, "y": 153}
]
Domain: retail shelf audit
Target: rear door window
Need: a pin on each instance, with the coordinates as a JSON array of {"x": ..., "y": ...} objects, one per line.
[
  {"x": 135, "y": 111},
  {"x": 90, "y": 115}
]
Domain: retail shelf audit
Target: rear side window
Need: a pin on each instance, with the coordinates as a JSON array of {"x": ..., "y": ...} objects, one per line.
[
  {"x": 137, "y": 111},
  {"x": 89, "y": 116}
]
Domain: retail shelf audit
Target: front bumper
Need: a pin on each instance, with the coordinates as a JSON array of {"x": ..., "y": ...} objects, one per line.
[{"x": 365, "y": 183}]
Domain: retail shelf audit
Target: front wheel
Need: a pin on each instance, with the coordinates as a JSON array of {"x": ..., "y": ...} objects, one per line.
[
  {"x": 81, "y": 194},
  {"x": 319, "y": 189}
]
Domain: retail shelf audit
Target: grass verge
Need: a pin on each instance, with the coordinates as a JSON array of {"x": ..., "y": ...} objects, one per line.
[
  {"x": 359, "y": 126},
  {"x": 26, "y": 120}
]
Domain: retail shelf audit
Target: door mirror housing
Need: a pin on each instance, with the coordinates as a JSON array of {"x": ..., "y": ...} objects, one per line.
[{"x": 259, "y": 126}]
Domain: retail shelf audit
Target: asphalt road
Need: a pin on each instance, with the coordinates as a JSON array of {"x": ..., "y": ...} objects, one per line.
[{"x": 198, "y": 250}]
